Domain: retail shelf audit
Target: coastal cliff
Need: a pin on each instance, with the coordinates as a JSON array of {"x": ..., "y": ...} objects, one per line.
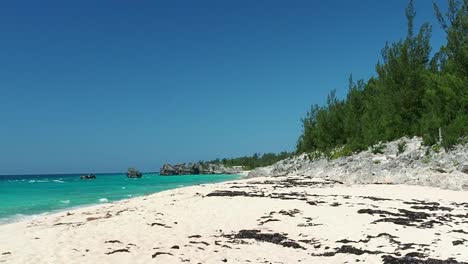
[{"x": 197, "y": 168}]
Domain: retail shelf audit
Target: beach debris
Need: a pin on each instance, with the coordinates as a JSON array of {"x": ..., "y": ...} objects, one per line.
[
  {"x": 121, "y": 211},
  {"x": 113, "y": 241},
  {"x": 71, "y": 223},
  {"x": 234, "y": 193},
  {"x": 92, "y": 218},
  {"x": 118, "y": 250},
  {"x": 387, "y": 259},
  {"x": 346, "y": 249},
  {"x": 308, "y": 223},
  {"x": 268, "y": 220},
  {"x": 460, "y": 231},
  {"x": 274, "y": 238},
  {"x": 415, "y": 254},
  {"x": 432, "y": 208},
  {"x": 291, "y": 213},
  {"x": 160, "y": 253},
  {"x": 409, "y": 218},
  {"x": 160, "y": 224},
  {"x": 199, "y": 242}
]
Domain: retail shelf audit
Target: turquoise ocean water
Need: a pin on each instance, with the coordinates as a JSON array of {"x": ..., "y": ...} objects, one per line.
[{"x": 23, "y": 196}]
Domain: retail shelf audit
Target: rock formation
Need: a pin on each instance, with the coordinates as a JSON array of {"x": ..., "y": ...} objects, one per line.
[
  {"x": 134, "y": 173},
  {"x": 464, "y": 168},
  {"x": 88, "y": 177},
  {"x": 416, "y": 164},
  {"x": 197, "y": 168}
]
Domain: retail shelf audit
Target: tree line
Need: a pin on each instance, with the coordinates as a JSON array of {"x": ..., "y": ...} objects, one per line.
[
  {"x": 254, "y": 161},
  {"x": 412, "y": 93}
]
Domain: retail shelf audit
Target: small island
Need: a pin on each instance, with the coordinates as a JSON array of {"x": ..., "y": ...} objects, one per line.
[{"x": 134, "y": 173}]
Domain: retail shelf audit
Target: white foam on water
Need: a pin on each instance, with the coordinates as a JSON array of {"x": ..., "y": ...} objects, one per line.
[
  {"x": 34, "y": 181},
  {"x": 103, "y": 200},
  {"x": 59, "y": 181},
  {"x": 65, "y": 201},
  {"x": 20, "y": 217},
  {"x": 26, "y": 217},
  {"x": 124, "y": 188}
]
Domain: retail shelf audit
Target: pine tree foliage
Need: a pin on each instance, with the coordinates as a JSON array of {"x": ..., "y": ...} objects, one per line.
[{"x": 411, "y": 94}]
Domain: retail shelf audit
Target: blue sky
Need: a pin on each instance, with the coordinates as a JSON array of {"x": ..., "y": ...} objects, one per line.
[{"x": 97, "y": 86}]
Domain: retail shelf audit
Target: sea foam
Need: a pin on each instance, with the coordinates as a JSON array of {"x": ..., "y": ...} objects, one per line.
[{"x": 104, "y": 200}]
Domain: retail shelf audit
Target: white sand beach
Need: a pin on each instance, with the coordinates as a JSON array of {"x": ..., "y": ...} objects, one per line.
[{"x": 263, "y": 220}]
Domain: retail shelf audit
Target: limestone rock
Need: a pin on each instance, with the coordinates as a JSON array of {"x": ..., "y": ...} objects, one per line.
[
  {"x": 197, "y": 168},
  {"x": 416, "y": 165},
  {"x": 463, "y": 168}
]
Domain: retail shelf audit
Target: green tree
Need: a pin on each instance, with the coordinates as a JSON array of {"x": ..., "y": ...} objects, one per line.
[{"x": 411, "y": 94}]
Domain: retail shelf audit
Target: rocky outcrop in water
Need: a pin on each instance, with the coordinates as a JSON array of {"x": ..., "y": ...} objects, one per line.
[
  {"x": 197, "y": 168},
  {"x": 134, "y": 173},
  {"x": 88, "y": 177},
  {"x": 415, "y": 164}
]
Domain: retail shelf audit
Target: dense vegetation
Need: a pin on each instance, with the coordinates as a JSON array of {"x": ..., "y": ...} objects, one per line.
[
  {"x": 254, "y": 161},
  {"x": 411, "y": 94}
]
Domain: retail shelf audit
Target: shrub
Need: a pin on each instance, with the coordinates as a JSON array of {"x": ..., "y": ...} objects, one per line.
[
  {"x": 344, "y": 152},
  {"x": 315, "y": 155},
  {"x": 428, "y": 140},
  {"x": 428, "y": 152},
  {"x": 436, "y": 148},
  {"x": 378, "y": 149},
  {"x": 401, "y": 147},
  {"x": 426, "y": 159}
]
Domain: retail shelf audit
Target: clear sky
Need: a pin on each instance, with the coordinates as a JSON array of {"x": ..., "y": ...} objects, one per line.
[{"x": 98, "y": 86}]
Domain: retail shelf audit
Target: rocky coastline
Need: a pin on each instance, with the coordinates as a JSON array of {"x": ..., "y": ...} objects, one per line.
[
  {"x": 197, "y": 168},
  {"x": 413, "y": 164}
]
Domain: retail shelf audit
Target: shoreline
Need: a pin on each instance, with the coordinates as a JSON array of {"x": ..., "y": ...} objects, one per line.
[
  {"x": 59, "y": 212},
  {"x": 281, "y": 219},
  {"x": 29, "y": 217}
]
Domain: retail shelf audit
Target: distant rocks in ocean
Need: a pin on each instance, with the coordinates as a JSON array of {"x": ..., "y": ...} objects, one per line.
[
  {"x": 134, "y": 173},
  {"x": 197, "y": 168},
  {"x": 88, "y": 177}
]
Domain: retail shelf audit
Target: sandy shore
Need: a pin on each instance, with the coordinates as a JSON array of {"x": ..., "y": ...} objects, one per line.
[{"x": 262, "y": 220}]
